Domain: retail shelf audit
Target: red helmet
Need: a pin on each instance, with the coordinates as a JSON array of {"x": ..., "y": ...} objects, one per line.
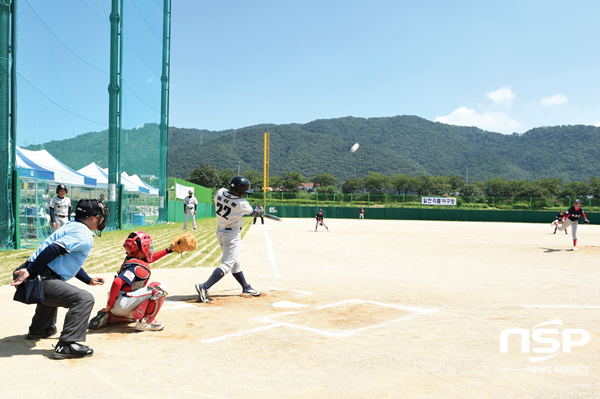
[{"x": 137, "y": 242}]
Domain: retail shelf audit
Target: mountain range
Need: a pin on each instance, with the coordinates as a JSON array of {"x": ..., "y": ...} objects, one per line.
[{"x": 390, "y": 145}]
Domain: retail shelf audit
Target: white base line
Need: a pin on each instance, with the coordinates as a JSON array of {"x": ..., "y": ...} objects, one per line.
[
  {"x": 561, "y": 306},
  {"x": 296, "y": 291},
  {"x": 240, "y": 333},
  {"x": 271, "y": 254}
]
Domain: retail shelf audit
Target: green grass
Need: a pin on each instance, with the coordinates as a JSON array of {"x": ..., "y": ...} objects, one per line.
[{"x": 108, "y": 253}]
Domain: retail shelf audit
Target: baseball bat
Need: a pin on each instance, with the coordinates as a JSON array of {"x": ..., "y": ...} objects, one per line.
[{"x": 273, "y": 217}]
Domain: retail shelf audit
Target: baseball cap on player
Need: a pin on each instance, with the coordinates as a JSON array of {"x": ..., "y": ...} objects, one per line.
[
  {"x": 190, "y": 192},
  {"x": 61, "y": 187},
  {"x": 240, "y": 185},
  {"x": 92, "y": 207},
  {"x": 577, "y": 201}
]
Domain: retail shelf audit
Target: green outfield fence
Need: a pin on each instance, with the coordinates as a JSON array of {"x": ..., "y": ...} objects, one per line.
[{"x": 370, "y": 201}]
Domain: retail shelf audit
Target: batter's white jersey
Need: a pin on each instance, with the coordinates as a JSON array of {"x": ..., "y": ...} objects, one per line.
[
  {"x": 230, "y": 209},
  {"x": 61, "y": 205}
]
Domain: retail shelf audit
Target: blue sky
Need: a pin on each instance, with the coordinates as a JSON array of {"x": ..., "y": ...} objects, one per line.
[{"x": 504, "y": 66}]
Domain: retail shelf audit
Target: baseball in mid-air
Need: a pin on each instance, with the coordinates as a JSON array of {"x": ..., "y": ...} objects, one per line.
[{"x": 354, "y": 147}]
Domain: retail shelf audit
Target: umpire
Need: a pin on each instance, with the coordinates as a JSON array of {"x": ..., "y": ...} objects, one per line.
[{"x": 57, "y": 260}]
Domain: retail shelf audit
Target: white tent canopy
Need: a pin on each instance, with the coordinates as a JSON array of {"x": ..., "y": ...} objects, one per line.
[
  {"x": 136, "y": 179},
  {"x": 101, "y": 174},
  {"x": 62, "y": 173}
]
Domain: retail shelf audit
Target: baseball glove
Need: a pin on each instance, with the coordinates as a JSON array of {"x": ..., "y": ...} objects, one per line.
[
  {"x": 586, "y": 221},
  {"x": 183, "y": 242},
  {"x": 99, "y": 320}
]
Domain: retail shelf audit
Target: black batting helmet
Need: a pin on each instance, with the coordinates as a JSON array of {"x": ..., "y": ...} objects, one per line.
[
  {"x": 240, "y": 185},
  {"x": 61, "y": 187}
]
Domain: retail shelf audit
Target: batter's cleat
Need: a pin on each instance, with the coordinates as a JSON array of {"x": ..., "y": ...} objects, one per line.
[
  {"x": 554, "y": 231},
  {"x": 71, "y": 351},
  {"x": 202, "y": 293},
  {"x": 48, "y": 333},
  {"x": 575, "y": 249},
  {"x": 251, "y": 291},
  {"x": 154, "y": 325}
]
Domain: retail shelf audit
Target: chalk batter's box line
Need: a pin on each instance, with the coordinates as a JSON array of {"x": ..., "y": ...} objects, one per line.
[
  {"x": 416, "y": 312},
  {"x": 296, "y": 291}
]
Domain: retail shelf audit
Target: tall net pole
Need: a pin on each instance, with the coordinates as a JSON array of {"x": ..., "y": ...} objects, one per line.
[
  {"x": 113, "y": 118},
  {"x": 267, "y": 149},
  {"x": 164, "y": 114}
]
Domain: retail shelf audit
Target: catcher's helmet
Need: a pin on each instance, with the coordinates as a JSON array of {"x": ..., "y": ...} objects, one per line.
[
  {"x": 61, "y": 187},
  {"x": 92, "y": 207},
  {"x": 240, "y": 185},
  {"x": 137, "y": 242}
]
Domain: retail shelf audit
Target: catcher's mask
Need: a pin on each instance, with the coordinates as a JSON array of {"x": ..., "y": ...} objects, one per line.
[
  {"x": 92, "y": 207},
  {"x": 137, "y": 242},
  {"x": 240, "y": 186},
  {"x": 62, "y": 187}
]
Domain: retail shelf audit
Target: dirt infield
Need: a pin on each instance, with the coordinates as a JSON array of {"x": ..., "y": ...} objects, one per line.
[{"x": 372, "y": 309}]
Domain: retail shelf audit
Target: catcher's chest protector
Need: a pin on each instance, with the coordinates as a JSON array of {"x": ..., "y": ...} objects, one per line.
[{"x": 141, "y": 270}]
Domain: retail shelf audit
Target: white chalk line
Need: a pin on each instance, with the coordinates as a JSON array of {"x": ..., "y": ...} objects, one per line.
[
  {"x": 240, "y": 333},
  {"x": 560, "y": 306},
  {"x": 296, "y": 291},
  {"x": 271, "y": 254},
  {"x": 172, "y": 305},
  {"x": 271, "y": 323}
]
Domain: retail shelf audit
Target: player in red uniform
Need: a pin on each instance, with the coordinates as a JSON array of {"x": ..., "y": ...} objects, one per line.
[
  {"x": 572, "y": 219},
  {"x": 131, "y": 298}
]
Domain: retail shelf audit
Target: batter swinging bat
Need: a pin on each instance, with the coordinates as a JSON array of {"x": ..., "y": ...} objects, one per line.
[{"x": 273, "y": 217}]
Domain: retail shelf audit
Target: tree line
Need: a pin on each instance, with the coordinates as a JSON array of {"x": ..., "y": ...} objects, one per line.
[{"x": 377, "y": 183}]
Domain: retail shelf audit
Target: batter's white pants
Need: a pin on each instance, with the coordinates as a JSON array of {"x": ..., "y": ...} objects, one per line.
[
  {"x": 573, "y": 223},
  {"x": 230, "y": 242},
  {"x": 127, "y": 302},
  {"x": 189, "y": 214}
]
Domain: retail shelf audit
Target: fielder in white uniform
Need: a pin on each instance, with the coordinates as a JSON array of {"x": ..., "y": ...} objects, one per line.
[
  {"x": 189, "y": 207},
  {"x": 230, "y": 206},
  {"x": 60, "y": 208}
]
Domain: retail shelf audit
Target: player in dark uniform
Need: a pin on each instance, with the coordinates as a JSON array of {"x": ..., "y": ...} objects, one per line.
[
  {"x": 320, "y": 220},
  {"x": 572, "y": 219},
  {"x": 558, "y": 221}
]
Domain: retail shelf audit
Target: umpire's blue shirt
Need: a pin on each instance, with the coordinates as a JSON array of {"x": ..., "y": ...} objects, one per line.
[{"x": 77, "y": 239}]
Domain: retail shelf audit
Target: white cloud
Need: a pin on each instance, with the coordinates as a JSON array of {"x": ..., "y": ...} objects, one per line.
[
  {"x": 597, "y": 124},
  {"x": 557, "y": 99},
  {"x": 492, "y": 121},
  {"x": 503, "y": 95}
]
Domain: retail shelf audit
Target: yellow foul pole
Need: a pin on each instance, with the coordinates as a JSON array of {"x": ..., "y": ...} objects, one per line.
[{"x": 266, "y": 169}]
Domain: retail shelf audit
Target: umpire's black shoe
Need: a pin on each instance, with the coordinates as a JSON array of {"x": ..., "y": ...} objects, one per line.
[
  {"x": 71, "y": 351},
  {"x": 47, "y": 333}
]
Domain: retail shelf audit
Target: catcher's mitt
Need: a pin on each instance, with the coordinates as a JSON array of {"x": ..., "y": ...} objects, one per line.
[
  {"x": 183, "y": 242},
  {"x": 99, "y": 320}
]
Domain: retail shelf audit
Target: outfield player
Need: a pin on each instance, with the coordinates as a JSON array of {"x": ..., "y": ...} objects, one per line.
[
  {"x": 572, "y": 219},
  {"x": 190, "y": 204},
  {"x": 57, "y": 260},
  {"x": 230, "y": 207},
  {"x": 558, "y": 221},
  {"x": 320, "y": 220},
  {"x": 131, "y": 298},
  {"x": 259, "y": 212},
  {"x": 361, "y": 213},
  {"x": 60, "y": 207}
]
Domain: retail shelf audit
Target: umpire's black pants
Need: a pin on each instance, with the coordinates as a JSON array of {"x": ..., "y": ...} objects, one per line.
[
  {"x": 61, "y": 294},
  {"x": 262, "y": 220}
]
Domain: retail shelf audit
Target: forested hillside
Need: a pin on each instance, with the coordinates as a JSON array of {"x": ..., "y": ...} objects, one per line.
[{"x": 391, "y": 145}]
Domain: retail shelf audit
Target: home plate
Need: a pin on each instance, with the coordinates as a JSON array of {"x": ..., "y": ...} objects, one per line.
[{"x": 288, "y": 304}]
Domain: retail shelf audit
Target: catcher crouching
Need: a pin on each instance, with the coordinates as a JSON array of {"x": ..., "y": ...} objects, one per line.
[{"x": 131, "y": 298}]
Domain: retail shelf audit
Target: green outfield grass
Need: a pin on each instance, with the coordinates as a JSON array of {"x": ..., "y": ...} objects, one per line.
[{"x": 108, "y": 252}]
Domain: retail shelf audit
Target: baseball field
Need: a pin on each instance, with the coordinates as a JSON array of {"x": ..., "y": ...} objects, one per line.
[{"x": 371, "y": 309}]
